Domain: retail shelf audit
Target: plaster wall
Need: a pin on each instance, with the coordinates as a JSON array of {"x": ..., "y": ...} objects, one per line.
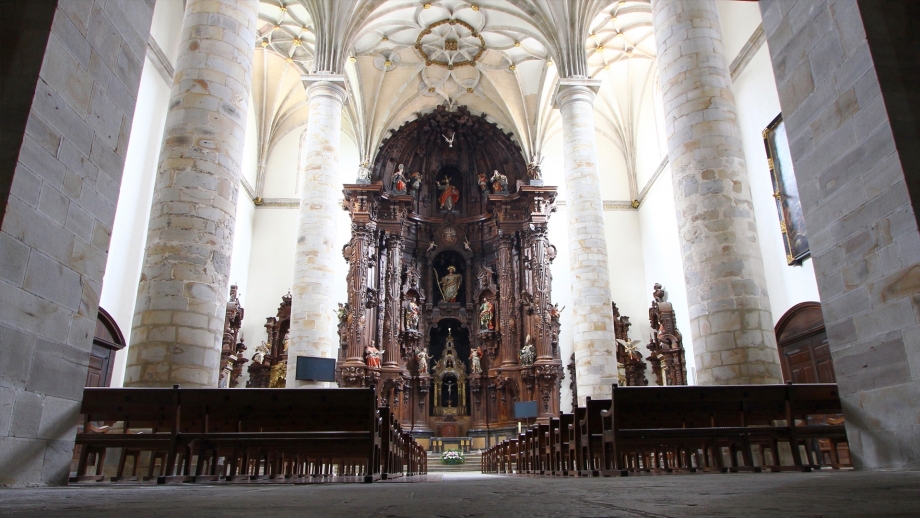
[
  {"x": 663, "y": 263},
  {"x": 758, "y": 105}
]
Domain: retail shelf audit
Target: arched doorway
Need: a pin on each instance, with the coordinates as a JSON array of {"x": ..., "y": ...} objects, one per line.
[
  {"x": 107, "y": 340},
  {"x": 802, "y": 342}
]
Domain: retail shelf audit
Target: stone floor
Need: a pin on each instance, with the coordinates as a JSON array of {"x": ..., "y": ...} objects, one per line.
[{"x": 849, "y": 493}]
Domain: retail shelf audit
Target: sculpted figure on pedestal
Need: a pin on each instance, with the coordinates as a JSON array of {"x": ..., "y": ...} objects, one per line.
[
  {"x": 486, "y": 312},
  {"x": 398, "y": 185},
  {"x": 475, "y": 362},
  {"x": 528, "y": 353},
  {"x": 499, "y": 183},
  {"x": 450, "y": 284}
]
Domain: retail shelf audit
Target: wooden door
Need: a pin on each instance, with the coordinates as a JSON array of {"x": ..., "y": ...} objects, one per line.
[{"x": 802, "y": 341}]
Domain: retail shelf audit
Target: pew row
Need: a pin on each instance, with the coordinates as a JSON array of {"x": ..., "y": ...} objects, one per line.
[
  {"x": 191, "y": 435},
  {"x": 683, "y": 429}
]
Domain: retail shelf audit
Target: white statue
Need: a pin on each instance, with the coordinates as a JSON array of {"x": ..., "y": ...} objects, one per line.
[
  {"x": 528, "y": 353},
  {"x": 260, "y": 352},
  {"x": 475, "y": 360}
]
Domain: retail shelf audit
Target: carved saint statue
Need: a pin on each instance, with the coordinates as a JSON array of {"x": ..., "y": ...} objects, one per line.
[
  {"x": 421, "y": 357},
  {"x": 450, "y": 284},
  {"x": 486, "y": 312},
  {"x": 528, "y": 353},
  {"x": 534, "y": 171},
  {"x": 449, "y": 196},
  {"x": 413, "y": 314},
  {"x": 475, "y": 363},
  {"x": 372, "y": 356},
  {"x": 258, "y": 355},
  {"x": 398, "y": 185},
  {"x": 483, "y": 183},
  {"x": 287, "y": 341},
  {"x": 415, "y": 183},
  {"x": 499, "y": 183}
]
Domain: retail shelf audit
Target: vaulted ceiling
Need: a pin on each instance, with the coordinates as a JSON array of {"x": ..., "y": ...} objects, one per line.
[{"x": 501, "y": 58}]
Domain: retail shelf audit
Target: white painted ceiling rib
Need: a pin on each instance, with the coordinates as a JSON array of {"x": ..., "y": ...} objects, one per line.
[{"x": 501, "y": 58}]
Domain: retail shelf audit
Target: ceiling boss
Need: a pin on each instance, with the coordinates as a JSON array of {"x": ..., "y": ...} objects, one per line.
[{"x": 450, "y": 43}]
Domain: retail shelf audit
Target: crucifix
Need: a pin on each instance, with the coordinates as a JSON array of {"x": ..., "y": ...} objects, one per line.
[{"x": 450, "y": 392}]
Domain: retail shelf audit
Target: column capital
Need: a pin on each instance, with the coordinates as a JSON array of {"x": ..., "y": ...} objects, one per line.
[
  {"x": 333, "y": 86},
  {"x": 575, "y": 89}
]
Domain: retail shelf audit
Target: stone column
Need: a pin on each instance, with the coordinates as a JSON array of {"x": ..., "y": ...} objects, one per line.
[
  {"x": 313, "y": 328},
  {"x": 595, "y": 349},
  {"x": 730, "y": 321},
  {"x": 179, "y": 317}
]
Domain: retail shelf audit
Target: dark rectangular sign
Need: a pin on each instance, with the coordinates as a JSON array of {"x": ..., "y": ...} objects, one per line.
[
  {"x": 525, "y": 409},
  {"x": 312, "y": 368}
]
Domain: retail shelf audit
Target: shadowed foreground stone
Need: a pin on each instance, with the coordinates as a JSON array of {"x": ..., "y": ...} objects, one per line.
[{"x": 766, "y": 495}]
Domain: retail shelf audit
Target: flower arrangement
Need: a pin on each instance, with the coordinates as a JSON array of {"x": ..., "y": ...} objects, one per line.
[{"x": 452, "y": 457}]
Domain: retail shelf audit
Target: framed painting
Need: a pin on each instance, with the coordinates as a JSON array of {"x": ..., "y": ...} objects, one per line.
[{"x": 786, "y": 192}]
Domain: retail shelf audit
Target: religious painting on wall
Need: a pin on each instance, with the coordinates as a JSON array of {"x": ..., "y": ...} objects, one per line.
[{"x": 786, "y": 192}]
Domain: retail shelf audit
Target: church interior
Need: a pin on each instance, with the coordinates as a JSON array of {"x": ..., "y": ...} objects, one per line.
[{"x": 533, "y": 234}]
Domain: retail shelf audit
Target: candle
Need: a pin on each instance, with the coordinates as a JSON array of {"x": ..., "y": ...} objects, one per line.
[{"x": 519, "y": 428}]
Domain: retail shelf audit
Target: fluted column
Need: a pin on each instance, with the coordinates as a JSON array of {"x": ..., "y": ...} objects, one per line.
[
  {"x": 313, "y": 328},
  {"x": 730, "y": 321},
  {"x": 178, "y": 321},
  {"x": 595, "y": 349}
]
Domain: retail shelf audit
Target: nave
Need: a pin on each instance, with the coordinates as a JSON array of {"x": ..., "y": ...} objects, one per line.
[{"x": 846, "y": 493}]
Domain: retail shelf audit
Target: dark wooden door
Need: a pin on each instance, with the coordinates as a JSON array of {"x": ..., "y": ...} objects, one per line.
[
  {"x": 803, "y": 349},
  {"x": 808, "y": 360}
]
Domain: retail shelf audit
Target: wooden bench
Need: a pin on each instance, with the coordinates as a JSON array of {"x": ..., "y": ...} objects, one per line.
[
  {"x": 682, "y": 428},
  {"x": 244, "y": 434},
  {"x": 691, "y": 427}
]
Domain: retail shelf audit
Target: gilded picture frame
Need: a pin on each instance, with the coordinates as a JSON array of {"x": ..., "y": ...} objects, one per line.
[{"x": 786, "y": 192}]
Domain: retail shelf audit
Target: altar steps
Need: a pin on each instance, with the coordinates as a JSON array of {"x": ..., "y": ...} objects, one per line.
[{"x": 472, "y": 463}]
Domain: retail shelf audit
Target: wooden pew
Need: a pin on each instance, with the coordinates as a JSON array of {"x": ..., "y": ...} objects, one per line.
[
  {"x": 690, "y": 427},
  {"x": 241, "y": 434},
  {"x": 148, "y": 422},
  {"x": 590, "y": 431}
]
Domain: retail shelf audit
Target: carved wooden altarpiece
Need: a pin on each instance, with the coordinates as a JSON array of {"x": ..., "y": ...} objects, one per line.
[
  {"x": 450, "y": 240},
  {"x": 269, "y": 361},
  {"x": 628, "y": 355},
  {"x": 232, "y": 346},
  {"x": 665, "y": 344}
]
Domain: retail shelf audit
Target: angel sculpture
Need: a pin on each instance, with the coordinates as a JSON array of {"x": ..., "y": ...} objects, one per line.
[
  {"x": 260, "y": 352},
  {"x": 631, "y": 347},
  {"x": 450, "y": 141}
]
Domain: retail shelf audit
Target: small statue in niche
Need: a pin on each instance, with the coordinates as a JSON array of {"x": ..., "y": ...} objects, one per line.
[
  {"x": 415, "y": 183},
  {"x": 486, "y": 313},
  {"x": 287, "y": 341},
  {"x": 475, "y": 362},
  {"x": 499, "y": 183},
  {"x": 258, "y": 355},
  {"x": 398, "y": 185},
  {"x": 413, "y": 314},
  {"x": 528, "y": 353},
  {"x": 372, "y": 356},
  {"x": 449, "y": 284},
  {"x": 450, "y": 195},
  {"x": 421, "y": 357},
  {"x": 483, "y": 183}
]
